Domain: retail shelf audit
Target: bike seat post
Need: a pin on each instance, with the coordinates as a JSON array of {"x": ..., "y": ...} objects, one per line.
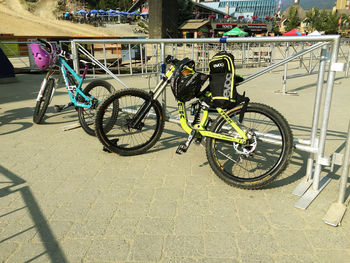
[{"x": 85, "y": 70}]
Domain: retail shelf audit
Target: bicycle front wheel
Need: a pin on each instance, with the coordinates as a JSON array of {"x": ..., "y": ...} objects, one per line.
[
  {"x": 44, "y": 101},
  {"x": 259, "y": 161},
  {"x": 128, "y": 137},
  {"x": 97, "y": 90}
]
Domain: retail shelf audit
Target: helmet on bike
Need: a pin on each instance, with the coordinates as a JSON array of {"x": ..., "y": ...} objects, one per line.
[
  {"x": 186, "y": 82},
  {"x": 44, "y": 55}
]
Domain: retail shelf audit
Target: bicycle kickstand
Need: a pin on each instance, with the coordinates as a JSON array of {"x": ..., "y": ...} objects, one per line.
[
  {"x": 59, "y": 108},
  {"x": 184, "y": 146}
]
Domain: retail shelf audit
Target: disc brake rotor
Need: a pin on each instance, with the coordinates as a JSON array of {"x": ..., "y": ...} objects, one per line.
[{"x": 249, "y": 147}]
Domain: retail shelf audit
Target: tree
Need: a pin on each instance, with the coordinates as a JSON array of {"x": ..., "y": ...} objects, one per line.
[
  {"x": 293, "y": 20},
  {"x": 313, "y": 19},
  {"x": 185, "y": 11},
  {"x": 331, "y": 25},
  {"x": 106, "y": 4}
]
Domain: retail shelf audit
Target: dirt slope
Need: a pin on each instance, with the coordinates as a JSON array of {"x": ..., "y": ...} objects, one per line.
[{"x": 15, "y": 19}]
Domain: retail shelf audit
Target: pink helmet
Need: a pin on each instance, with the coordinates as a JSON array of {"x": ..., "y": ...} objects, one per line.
[{"x": 44, "y": 57}]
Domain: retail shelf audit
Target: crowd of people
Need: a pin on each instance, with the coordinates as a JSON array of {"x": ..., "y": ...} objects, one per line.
[{"x": 100, "y": 17}]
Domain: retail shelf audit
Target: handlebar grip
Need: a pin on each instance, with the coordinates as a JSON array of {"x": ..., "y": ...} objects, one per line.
[
  {"x": 47, "y": 45},
  {"x": 171, "y": 60}
]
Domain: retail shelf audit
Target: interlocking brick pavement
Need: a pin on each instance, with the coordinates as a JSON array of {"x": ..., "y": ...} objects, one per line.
[{"x": 62, "y": 199}]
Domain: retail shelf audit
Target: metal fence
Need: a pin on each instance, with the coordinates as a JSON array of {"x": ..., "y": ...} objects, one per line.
[{"x": 316, "y": 54}]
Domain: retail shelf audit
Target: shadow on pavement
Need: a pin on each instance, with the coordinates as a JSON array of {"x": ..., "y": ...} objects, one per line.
[{"x": 17, "y": 184}]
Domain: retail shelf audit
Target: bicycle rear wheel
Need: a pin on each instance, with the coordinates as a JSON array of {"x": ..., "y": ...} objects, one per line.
[
  {"x": 44, "y": 101},
  {"x": 264, "y": 157},
  {"x": 99, "y": 90},
  {"x": 125, "y": 138}
]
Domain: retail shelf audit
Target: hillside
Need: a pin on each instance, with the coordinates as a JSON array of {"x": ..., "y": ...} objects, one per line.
[{"x": 16, "y": 19}]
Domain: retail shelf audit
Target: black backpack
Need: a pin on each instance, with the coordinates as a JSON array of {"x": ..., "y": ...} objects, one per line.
[{"x": 223, "y": 82}]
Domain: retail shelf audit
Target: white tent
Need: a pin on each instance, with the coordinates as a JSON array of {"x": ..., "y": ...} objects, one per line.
[{"x": 315, "y": 33}]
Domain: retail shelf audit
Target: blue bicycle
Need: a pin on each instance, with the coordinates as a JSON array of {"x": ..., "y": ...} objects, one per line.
[{"x": 47, "y": 57}]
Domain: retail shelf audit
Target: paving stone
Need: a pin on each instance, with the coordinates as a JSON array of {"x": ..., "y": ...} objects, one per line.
[
  {"x": 220, "y": 245},
  {"x": 292, "y": 241},
  {"x": 163, "y": 208},
  {"x": 158, "y": 206},
  {"x": 87, "y": 229},
  {"x": 256, "y": 243},
  {"x": 156, "y": 226},
  {"x": 332, "y": 255},
  {"x": 218, "y": 223},
  {"x": 147, "y": 248},
  {"x": 189, "y": 225},
  {"x": 116, "y": 249},
  {"x": 122, "y": 226},
  {"x": 128, "y": 209},
  {"x": 76, "y": 249},
  {"x": 183, "y": 246},
  {"x": 169, "y": 193},
  {"x": 335, "y": 239},
  {"x": 306, "y": 257},
  {"x": 59, "y": 230},
  {"x": 7, "y": 249},
  {"x": 31, "y": 251}
]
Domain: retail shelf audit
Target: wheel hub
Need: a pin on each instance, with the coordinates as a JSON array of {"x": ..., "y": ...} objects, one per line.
[{"x": 249, "y": 147}]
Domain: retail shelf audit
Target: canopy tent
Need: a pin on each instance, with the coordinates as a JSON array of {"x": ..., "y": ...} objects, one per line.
[
  {"x": 93, "y": 11},
  {"x": 6, "y": 68},
  {"x": 81, "y": 12},
  {"x": 102, "y": 12},
  {"x": 134, "y": 13},
  {"x": 112, "y": 12},
  {"x": 144, "y": 13},
  {"x": 235, "y": 32},
  {"x": 294, "y": 32},
  {"x": 315, "y": 33}
]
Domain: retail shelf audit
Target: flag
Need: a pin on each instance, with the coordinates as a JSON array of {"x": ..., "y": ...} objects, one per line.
[
  {"x": 279, "y": 5},
  {"x": 339, "y": 21}
]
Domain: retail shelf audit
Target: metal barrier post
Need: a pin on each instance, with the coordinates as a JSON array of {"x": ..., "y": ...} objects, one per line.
[
  {"x": 75, "y": 57},
  {"x": 337, "y": 210},
  {"x": 318, "y": 182},
  {"x": 306, "y": 183},
  {"x": 347, "y": 65},
  {"x": 162, "y": 59}
]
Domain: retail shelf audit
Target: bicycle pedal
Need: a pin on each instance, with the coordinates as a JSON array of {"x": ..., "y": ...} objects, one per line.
[
  {"x": 181, "y": 149},
  {"x": 198, "y": 140},
  {"x": 57, "y": 108},
  {"x": 105, "y": 149}
]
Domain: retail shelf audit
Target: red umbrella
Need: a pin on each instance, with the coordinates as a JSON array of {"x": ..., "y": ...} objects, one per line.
[{"x": 294, "y": 32}]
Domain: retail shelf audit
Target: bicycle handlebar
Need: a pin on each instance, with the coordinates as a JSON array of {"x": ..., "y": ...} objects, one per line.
[
  {"x": 59, "y": 52},
  {"x": 171, "y": 60}
]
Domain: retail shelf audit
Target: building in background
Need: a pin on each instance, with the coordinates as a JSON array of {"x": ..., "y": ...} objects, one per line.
[
  {"x": 342, "y": 4},
  {"x": 245, "y": 8}
]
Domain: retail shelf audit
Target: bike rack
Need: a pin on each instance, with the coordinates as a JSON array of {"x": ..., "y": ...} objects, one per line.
[
  {"x": 337, "y": 210},
  {"x": 315, "y": 146}
]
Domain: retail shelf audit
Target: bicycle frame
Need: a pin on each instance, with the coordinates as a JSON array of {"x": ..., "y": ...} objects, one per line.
[
  {"x": 200, "y": 128},
  {"x": 73, "y": 90}
]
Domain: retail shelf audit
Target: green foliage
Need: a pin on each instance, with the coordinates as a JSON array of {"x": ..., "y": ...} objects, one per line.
[
  {"x": 141, "y": 24},
  {"x": 293, "y": 20},
  {"x": 123, "y": 5},
  {"x": 185, "y": 11},
  {"x": 323, "y": 20}
]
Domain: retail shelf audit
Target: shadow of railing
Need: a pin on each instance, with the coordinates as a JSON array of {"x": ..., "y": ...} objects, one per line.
[{"x": 18, "y": 185}]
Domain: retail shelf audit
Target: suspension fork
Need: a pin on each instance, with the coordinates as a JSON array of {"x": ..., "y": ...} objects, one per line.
[{"x": 141, "y": 113}]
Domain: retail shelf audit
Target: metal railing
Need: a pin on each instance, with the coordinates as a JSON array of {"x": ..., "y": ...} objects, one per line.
[
  {"x": 315, "y": 146},
  {"x": 146, "y": 56}
]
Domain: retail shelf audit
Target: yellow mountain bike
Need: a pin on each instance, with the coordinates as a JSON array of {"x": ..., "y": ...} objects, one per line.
[{"x": 246, "y": 146}]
